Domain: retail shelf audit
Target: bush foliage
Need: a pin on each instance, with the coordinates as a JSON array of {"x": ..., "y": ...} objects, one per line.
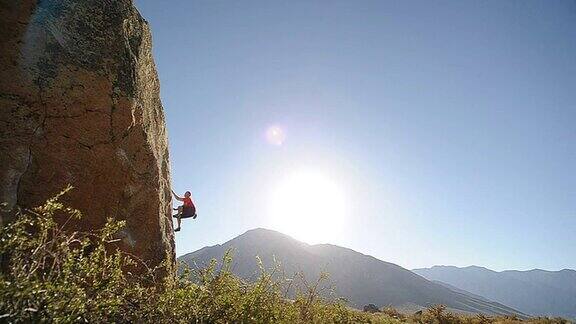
[{"x": 53, "y": 274}]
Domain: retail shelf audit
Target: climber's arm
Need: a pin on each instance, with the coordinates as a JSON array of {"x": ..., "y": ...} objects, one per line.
[{"x": 176, "y": 196}]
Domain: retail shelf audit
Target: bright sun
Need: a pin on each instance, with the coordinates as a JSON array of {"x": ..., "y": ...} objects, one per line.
[{"x": 308, "y": 206}]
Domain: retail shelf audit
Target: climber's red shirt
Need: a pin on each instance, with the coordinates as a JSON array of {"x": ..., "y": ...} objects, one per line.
[{"x": 188, "y": 202}]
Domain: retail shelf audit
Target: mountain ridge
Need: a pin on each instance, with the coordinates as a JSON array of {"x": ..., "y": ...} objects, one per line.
[
  {"x": 501, "y": 271},
  {"x": 536, "y": 292},
  {"x": 360, "y": 278}
]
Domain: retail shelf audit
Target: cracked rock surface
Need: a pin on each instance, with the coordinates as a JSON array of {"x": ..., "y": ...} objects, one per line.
[{"x": 80, "y": 105}]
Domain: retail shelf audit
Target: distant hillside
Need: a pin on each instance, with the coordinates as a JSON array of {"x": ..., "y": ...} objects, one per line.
[
  {"x": 360, "y": 278},
  {"x": 535, "y": 292}
]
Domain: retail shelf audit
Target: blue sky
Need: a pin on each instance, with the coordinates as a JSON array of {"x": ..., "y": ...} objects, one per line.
[{"x": 450, "y": 125}]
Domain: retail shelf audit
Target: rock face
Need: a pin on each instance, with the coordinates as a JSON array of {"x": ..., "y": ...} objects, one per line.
[
  {"x": 80, "y": 105},
  {"x": 371, "y": 308}
]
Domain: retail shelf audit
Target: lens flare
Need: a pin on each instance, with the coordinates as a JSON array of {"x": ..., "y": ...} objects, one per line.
[{"x": 275, "y": 135}]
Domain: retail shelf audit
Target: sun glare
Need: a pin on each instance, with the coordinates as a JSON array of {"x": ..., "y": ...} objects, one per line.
[{"x": 308, "y": 206}]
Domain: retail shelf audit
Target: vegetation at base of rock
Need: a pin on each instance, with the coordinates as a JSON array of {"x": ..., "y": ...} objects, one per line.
[{"x": 51, "y": 274}]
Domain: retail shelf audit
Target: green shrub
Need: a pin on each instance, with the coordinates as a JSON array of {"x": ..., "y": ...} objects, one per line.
[
  {"x": 437, "y": 314},
  {"x": 393, "y": 313},
  {"x": 50, "y": 273}
]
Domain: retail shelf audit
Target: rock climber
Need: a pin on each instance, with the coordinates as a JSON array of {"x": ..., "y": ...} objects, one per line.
[{"x": 187, "y": 210}]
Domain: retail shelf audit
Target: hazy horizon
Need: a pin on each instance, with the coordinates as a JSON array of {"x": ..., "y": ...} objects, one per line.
[
  {"x": 435, "y": 265},
  {"x": 421, "y": 134}
]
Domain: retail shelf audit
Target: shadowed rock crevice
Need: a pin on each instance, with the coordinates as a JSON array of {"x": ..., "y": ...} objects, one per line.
[{"x": 80, "y": 105}]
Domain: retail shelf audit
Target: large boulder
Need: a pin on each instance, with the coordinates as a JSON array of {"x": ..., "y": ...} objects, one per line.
[
  {"x": 80, "y": 105},
  {"x": 371, "y": 308}
]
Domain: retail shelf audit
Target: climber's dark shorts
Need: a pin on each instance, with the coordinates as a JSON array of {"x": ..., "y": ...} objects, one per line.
[{"x": 188, "y": 212}]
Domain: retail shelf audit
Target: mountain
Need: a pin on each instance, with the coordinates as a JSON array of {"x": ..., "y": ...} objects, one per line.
[
  {"x": 361, "y": 279},
  {"x": 462, "y": 291},
  {"x": 535, "y": 292}
]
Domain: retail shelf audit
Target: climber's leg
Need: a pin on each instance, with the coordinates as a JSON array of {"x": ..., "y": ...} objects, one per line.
[{"x": 178, "y": 218}]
